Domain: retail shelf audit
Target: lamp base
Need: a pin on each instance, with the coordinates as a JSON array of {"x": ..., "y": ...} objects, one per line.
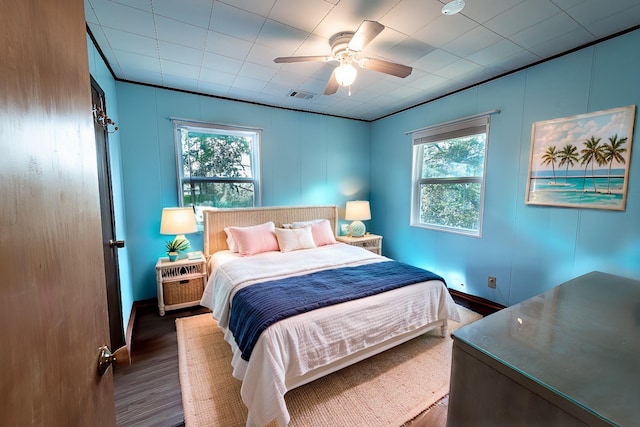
[
  {"x": 183, "y": 254},
  {"x": 357, "y": 229}
]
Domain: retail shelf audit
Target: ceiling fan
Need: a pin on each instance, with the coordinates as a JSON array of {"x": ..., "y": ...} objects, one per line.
[{"x": 345, "y": 48}]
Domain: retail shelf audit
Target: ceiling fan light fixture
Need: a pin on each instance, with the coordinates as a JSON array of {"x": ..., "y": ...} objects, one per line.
[
  {"x": 453, "y": 7},
  {"x": 346, "y": 74}
]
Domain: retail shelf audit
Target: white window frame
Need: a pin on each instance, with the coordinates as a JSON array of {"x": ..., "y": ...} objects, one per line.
[
  {"x": 254, "y": 134},
  {"x": 450, "y": 130}
]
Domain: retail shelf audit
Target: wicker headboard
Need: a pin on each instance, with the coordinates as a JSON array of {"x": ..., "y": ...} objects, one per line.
[{"x": 215, "y": 220}]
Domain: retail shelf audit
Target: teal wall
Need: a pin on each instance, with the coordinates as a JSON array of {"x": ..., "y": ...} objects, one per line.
[
  {"x": 528, "y": 248},
  {"x": 107, "y": 83},
  {"x": 305, "y": 159}
]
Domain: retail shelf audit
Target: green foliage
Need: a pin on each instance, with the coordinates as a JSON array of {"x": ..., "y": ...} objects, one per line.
[
  {"x": 452, "y": 173},
  {"x": 177, "y": 245},
  {"x": 461, "y": 157},
  {"x": 451, "y": 205},
  {"x": 225, "y": 158}
]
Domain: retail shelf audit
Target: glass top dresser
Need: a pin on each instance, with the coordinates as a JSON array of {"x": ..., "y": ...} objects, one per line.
[{"x": 569, "y": 356}]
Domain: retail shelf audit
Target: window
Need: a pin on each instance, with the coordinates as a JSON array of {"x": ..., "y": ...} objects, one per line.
[
  {"x": 218, "y": 166},
  {"x": 448, "y": 176}
]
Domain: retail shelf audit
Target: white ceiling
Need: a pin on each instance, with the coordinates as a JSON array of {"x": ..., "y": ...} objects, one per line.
[{"x": 226, "y": 48}]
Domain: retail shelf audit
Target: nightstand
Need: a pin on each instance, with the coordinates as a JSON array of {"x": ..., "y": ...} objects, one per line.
[
  {"x": 370, "y": 242},
  {"x": 180, "y": 283}
]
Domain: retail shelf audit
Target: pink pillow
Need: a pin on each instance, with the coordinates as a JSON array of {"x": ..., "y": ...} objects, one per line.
[
  {"x": 256, "y": 239},
  {"x": 322, "y": 233}
]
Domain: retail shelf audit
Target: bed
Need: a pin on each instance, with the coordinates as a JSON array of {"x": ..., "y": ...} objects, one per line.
[{"x": 308, "y": 345}]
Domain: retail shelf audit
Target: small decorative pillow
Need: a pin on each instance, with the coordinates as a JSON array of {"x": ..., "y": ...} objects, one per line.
[
  {"x": 231, "y": 243},
  {"x": 294, "y": 239},
  {"x": 321, "y": 231},
  {"x": 302, "y": 224},
  {"x": 255, "y": 239}
]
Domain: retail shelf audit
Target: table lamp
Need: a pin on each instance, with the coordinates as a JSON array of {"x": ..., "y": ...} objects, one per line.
[
  {"x": 178, "y": 221},
  {"x": 357, "y": 211}
]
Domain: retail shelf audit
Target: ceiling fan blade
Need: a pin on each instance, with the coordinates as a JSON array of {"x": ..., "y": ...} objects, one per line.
[
  {"x": 285, "y": 59},
  {"x": 332, "y": 85},
  {"x": 366, "y": 32},
  {"x": 386, "y": 67}
]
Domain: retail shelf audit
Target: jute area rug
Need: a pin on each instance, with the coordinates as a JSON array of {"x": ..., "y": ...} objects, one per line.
[{"x": 389, "y": 389}]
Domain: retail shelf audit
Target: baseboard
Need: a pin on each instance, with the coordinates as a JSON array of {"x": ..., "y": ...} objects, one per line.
[
  {"x": 480, "y": 305},
  {"x": 132, "y": 318}
]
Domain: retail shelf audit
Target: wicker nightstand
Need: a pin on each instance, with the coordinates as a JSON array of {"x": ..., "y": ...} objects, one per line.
[
  {"x": 180, "y": 283},
  {"x": 371, "y": 242}
]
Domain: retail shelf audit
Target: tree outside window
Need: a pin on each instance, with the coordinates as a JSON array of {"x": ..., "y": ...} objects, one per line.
[
  {"x": 217, "y": 166},
  {"x": 449, "y": 164}
]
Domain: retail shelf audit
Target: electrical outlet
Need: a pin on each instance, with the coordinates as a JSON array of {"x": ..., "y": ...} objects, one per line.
[{"x": 491, "y": 282}]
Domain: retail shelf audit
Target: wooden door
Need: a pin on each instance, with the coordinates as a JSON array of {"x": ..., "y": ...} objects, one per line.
[
  {"x": 53, "y": 307},
  {"x": 110, "y": 244}
]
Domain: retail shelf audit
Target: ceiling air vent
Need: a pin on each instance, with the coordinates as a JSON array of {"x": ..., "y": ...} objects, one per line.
[{"x": 301, "y": 95}]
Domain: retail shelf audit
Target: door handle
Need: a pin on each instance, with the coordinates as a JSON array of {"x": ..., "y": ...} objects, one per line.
[
  {"x": 106, "y": 359},
  {"x": 116, "y": 243}
]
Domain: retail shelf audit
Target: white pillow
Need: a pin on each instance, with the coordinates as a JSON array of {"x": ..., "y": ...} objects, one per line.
[
  {"x": 231, "y": 242},
  {"x": 321, "y": 231},
  {"x": 301, "y": 224},
  {"x": 294, "y": 239}
]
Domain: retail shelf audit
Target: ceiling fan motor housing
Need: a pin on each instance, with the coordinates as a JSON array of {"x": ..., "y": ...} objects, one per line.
[{"x": 340, "y": 44}]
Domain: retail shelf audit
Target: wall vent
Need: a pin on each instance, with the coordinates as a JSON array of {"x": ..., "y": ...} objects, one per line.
[{"x": 301, "y": 95}]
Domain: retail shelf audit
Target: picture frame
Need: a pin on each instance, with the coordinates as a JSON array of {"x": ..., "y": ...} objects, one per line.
[{"x": 581, "y": 161}]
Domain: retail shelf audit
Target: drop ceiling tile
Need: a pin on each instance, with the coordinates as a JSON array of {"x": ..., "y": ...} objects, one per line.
[
  {"x": 181, "y": 54},
  {"x": 225, "y": 45},
  {"x": 89, "y": 14},
  {"x": 313, "y": 45},
  {"x": 215, "y": 76},
  {"x": 178, "y": 69},
  {"x": 482, "y": 11},
  {"x": 213, "y": 88},
  {"x": 563, "y": 43},
  {"x": 144, "y": 75},
  {"x": 408, "y": 51},
  {"x": 236, "y": 22},
  {"x": 180, "y": 33},
  {"x": 428, "y": 81},
  {"x": 549, "y": 29},
  {"x": 179, "y": 82},
  {"x": 265, "y": 55},
  {"x": 280, "y": 36},
  {"x": 444, "y": 29},
  {"x": 198, "y": 12},
  {"x": 261, "y": 7},
  {"x": 494, "y": 54},
  {"x": 434, "y": 61},
  {"x": 124, "y": 18},
  {"x": 458, "y": 69},
  {"x": 473, "y": 41},
  {"x": 409, "y": 16},
  {"x": 221, "y": 63},
  {"x": 303, "y": 15},
  {"x": 522, "y": 16},
  {"x": 130, "y": 42},
  {"x": 519, "y": 60},
  {"x": 257, "y": 71},
  {"x": 611, "y": 24},
  {"x": 135, "y": 60},
  {"x": 144, "y": 5}
]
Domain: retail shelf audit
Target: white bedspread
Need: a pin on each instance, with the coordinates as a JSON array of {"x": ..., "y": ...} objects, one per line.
[{"x": 293, "y": 347}]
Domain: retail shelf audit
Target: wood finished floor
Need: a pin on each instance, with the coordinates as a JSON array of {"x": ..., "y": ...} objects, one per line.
[{"x": 147, "y": 393}]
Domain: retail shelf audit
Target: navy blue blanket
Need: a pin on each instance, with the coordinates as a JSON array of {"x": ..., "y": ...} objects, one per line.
[{"x": 258, "y": 306}]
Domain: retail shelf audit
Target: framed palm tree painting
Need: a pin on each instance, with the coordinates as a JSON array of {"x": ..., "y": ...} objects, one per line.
[{"x": 581, "y": 161}]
